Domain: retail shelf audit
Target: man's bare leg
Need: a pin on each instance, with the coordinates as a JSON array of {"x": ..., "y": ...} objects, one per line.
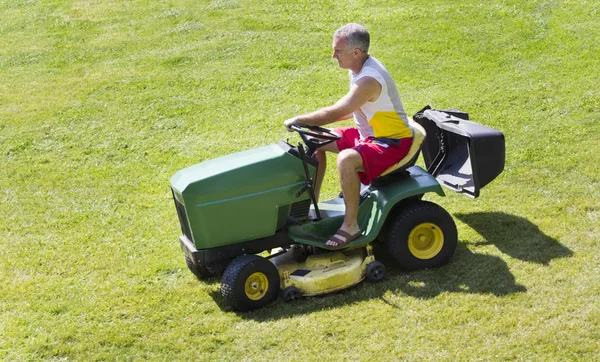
[
  {"x": 321, "y": 156},
  {"x": 349, "y": 162}
]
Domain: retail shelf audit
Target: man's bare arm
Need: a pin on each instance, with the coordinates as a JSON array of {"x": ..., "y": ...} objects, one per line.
[
  {"x": 347, "y": 116},
  {"x": 365, "y": 90}
]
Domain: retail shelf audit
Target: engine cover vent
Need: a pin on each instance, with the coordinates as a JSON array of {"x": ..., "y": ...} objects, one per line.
[{"x": 300, "y": 209}]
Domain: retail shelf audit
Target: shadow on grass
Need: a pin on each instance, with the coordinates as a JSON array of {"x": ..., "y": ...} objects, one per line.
[
  {"x": 515, "y": 236},
  {"x": 468, "y": 272}
]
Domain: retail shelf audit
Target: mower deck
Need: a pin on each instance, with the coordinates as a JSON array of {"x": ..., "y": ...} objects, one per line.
[{"x": 322, "y": 273}]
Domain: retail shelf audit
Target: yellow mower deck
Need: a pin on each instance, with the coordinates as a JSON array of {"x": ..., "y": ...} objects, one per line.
[{"x": 324, "y": 273}]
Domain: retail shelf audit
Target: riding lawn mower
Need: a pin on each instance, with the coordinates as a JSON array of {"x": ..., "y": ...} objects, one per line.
[{"x": 235, "y": 209}]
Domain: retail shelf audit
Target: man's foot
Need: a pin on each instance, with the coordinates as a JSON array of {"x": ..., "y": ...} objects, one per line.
[{"x": 341, "y": 238}]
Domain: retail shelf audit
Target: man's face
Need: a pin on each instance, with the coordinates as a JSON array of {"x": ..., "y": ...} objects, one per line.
[{"x": 342, "y": 52}]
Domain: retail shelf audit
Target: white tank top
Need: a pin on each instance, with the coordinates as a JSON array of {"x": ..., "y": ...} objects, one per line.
[{"x": 385, "y": 117}]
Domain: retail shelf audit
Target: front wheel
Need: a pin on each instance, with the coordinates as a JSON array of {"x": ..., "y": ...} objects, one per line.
[
  {"x": 249, "y": 282},
  {"x": 421, "y": 235},
  {"x": 200, "y": 271}
]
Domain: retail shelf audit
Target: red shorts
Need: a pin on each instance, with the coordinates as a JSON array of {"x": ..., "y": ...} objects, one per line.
[{"x": 378, "y": 154}]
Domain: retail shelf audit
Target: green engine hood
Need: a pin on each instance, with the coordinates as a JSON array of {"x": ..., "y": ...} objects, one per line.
[
  {"x": 242, "y": 196},
  {"x": 238, "y": 174}
]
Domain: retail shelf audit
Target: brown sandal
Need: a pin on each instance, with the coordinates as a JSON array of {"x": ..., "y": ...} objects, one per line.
[{"x": 341, "y": 243}]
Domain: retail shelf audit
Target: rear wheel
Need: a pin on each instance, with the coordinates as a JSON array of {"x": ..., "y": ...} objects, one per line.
[
  {"x": 421, "y": 235},
  {"x": 249, "y": 282}
]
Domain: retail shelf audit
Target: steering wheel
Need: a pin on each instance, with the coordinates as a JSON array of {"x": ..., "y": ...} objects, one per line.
[{"x": 314, "y": 136}]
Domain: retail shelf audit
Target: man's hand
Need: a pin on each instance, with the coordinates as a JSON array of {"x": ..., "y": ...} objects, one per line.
[{"x": 289, "y": 123}]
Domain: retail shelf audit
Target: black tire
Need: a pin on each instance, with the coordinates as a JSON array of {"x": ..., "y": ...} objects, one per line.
[
  {"x": 291, "y": 293},
  {"x": 198, "y": 270},
  {"x": 217, "y": 268},
  {"x": 249, "y": 282},
  {"x": 421, "y": 235},
  {"x": 375, "y": 271},
  {"x": 203, "y": 272}
]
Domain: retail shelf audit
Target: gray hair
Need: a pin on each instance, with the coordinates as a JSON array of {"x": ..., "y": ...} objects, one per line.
[{"x": 357, "y": 35}]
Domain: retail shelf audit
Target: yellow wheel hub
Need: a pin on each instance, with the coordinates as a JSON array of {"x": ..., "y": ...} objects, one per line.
[
  {"x": 256, "y": 286},
  {"x": 425, "y": 240}
]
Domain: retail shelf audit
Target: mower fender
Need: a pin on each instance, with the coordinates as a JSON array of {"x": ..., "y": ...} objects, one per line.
[{"x": 385, "y": 198}]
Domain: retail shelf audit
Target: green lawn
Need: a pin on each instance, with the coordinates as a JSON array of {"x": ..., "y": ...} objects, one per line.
[{"x": 101, "y": 102}]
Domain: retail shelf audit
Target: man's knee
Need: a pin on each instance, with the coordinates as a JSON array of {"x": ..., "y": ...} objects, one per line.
[{"x": 350, "y": 158}]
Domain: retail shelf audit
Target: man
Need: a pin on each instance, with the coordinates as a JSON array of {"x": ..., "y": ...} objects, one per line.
[{"x": 382, "y": 136}]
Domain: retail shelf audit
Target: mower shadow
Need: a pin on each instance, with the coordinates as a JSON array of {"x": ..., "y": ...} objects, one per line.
[
  {"x": 468, "y": 272},
  {"x": 515, "y": 236}
]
